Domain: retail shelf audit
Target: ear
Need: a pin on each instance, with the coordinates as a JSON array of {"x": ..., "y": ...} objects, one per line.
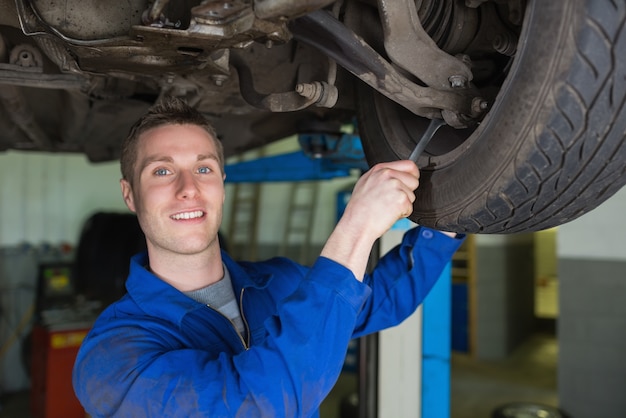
[{"x": 127, "y": 194}]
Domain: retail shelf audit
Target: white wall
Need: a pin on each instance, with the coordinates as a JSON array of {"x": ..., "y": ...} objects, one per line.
[
  {"x": 598, "y": 234},
  {"x": 47, "y": 197}
]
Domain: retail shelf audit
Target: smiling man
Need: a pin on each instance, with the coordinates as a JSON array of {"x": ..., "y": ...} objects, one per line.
[
  {"x": 176, "y": 187},
  {"x": 198, "y": 334}
]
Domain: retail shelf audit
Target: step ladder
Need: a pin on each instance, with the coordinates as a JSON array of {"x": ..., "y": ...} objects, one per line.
[{"x": 296, "y": 242}]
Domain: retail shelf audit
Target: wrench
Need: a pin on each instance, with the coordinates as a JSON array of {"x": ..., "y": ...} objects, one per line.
[{"x": 428, "y": 134}]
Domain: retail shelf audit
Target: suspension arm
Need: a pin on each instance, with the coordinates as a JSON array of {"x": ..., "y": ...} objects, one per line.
[
  {"x": 408, "y": 45},
  {"x": 324, "y": 32}
]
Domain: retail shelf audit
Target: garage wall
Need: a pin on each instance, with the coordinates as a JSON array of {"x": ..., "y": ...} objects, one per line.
[
  {"x": 44, "y": 201},
  {"x": 505, "y": 294},
  {"x": 47, "y": 197},
  {"x": 592, "y": 319}
]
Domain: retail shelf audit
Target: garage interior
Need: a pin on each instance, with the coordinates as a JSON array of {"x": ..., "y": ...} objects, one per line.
[{"x": 536, "y": 317}]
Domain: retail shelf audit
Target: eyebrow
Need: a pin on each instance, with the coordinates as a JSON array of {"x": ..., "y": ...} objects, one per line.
[
  {"x": 153, "y": 159},
  {"x": 165, "y": 159},
  {"x": 210, "y": 156}
]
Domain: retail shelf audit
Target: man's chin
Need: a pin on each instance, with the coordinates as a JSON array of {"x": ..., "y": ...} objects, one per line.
[
  {"x": 189, "y": 247},
  {"x": 200, "y": 248}
]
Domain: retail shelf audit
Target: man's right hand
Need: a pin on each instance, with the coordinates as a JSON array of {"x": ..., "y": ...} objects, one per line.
[{"x": 382, "y": 196}]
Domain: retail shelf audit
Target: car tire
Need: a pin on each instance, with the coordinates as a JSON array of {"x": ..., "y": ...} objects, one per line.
[{"x": 552, "y": 146}]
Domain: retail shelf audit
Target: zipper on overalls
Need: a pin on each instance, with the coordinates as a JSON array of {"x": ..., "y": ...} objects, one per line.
[
  {"x": 243, "y": 318},
  {"x": 244, "y": 343}
]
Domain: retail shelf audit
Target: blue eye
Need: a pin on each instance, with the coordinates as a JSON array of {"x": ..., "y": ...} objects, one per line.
[
  {"x": 161, "y": 171},
  {"x": 204, "y": 170}
]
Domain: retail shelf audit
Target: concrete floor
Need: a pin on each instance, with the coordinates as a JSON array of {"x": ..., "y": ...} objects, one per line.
[
  {"x": 478, "y": 387},
  {"x": 528, "y": 375},
  {"x": 15, "y": 405}
]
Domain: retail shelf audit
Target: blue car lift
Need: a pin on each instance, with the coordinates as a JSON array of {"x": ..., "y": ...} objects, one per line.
[
  {"x": 323, "y": 157},
  {"x": 328, "y": 156}
]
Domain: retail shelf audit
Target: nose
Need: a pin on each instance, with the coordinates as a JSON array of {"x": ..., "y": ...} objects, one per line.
[{"x": 187, "y": 188}]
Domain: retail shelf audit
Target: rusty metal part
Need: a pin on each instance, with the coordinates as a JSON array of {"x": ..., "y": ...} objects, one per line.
[
  {"x": 9, "y": 76},
  {"x": 324, "y": 94},
  {"x": 146, "y": 52},
  {"x": 318, "y": 93},
  {"x": 410, "y": 47},
  {"x": 222, "y": 18},
  {"x": 25, "y": 69},
  {"x": 155, "y": 12},
  {"x": 479, "y": 106},
  {"x": 54, "y": 50},
  {"x": 16, "y": 106},
  {"x": 214, "y": 24},
  {"x": 4, "y": 53},
  {"x": 321, "y": 30},
  {"x": 449, "y": 23},
  {"x": 8, "y": 14},
  {"x": 287, "y": 9},
  {"x": 26, "y": 55},
  {"x": 78, "y": 19}
]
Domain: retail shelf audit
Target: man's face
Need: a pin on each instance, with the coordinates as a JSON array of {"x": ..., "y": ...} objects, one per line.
[{"x": 178, "y": 190}]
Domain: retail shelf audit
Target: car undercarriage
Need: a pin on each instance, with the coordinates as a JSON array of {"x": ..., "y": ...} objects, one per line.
[{"x": 498, "y": 74}]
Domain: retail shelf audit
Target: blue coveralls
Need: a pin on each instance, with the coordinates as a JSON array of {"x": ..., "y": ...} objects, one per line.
[{"x": 158, "y": 353}]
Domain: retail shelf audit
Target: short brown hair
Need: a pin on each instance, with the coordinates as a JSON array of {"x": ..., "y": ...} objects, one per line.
[{"x": 170, "y": 111}]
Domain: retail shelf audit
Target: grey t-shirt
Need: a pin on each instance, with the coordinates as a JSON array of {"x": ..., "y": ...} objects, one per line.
[{"x": 220, "y": 296}]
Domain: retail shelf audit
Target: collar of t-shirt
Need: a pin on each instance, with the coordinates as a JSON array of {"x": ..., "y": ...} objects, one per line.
[{"x": 221, "y": 297}]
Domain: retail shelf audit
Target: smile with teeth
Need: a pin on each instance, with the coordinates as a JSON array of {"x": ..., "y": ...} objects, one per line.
[{"x": 188, "y": 215}]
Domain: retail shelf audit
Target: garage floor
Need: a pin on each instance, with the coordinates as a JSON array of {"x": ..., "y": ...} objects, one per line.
[
  {"x": 15, "y": 405},
  {"x": 528, "y": 375},
  {"x": 478, "y": 387}
]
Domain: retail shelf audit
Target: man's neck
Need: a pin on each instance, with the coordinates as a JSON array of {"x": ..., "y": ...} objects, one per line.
[{"x": 187, "y": 272}]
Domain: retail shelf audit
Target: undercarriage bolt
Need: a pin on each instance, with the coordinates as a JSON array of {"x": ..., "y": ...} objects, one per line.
[
  {"x": 457, "y": 81},
  {"x": 219, "y": 79},
  {"x": 479, "y": 106},
  {"x": 307, "y": 90},
  {"x": 320, "y": 93}
]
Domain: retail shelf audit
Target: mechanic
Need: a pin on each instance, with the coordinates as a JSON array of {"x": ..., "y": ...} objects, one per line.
[{"x": 198, "y": 334}]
